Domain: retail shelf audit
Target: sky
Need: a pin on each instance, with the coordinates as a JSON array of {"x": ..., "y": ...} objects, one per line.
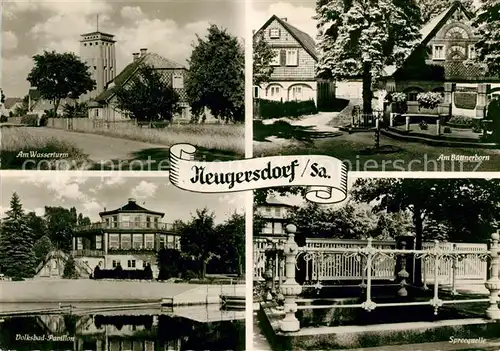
[
  {"x": 167, "y": 27},
  {"x": 91, "y": 194}
]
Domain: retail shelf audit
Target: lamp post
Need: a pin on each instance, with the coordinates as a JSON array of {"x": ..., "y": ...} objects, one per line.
[{"x": 290, "y": 288}]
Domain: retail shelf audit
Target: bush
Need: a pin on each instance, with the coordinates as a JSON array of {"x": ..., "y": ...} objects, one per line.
[
  {"x": 120, "y": 273},
  {"x": 447, "y": 130},
  {"x": 423, "y": 125},
  {"x": 461, "y": 120},
  {"x": 429, "y": 100},
  {"x": 276, "y": 109},
  {"x": 30, "y": 120},
  {"x": 70, "y": 269},
  {"x": 190, "y": 275},
  {"x": 3, "y": 119},
  {"x": 170, "y": 263},
  {"x": 465, "y": 100}
]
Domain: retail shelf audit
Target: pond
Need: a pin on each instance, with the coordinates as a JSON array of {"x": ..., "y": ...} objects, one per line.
[{"x": 123, "y": 330}]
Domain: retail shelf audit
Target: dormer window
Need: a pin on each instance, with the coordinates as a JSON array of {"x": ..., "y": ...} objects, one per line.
[
  {"x": 177, "y": 81},
  {"x": 274, "y": 33},
  {"x": 438, "y": 52}
]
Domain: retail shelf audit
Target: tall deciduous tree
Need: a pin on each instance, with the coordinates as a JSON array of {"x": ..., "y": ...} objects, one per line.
[
  {"x": 470, "y": 208},
  {"x": 216, "y": 77},
  {"x": 199, "y": 237},
  {"x": 263, "y": 55},
  {"x": 487, "y": 24},
  {"x": 61, "y": 224},
  {"x": 432, "y": 8},
  {"x": 231, "y": 239},
  {"x": 59, "y": 75},
  {"x": 361, "y": 37},
  {"x": 148, "y": 96},
  {"x": 17, "y": 258}
]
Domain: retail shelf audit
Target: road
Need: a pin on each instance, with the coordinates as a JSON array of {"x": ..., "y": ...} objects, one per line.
[{"x": 100, "y": 148}]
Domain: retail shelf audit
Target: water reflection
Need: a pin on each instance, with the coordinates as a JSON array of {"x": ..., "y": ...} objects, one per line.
[{"x": 122, "y": 331}]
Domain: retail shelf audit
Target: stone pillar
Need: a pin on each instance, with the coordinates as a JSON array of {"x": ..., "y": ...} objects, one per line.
[
  {"x": 407, "y": 123},
  {"x": 290, "y": 288},
  {"x": 391, "y": 119},
  {"x": 438, "y": 127},
  {"x": 493, "y": 283},
  {"x": 403, "y": 274},
  {"x": 74, "y": 243},
  {"x": 405, "y": 262},
  {"x": 482, "y": 100}
]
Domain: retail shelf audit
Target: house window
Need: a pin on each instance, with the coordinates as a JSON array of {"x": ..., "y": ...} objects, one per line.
[
  {"x": 131, "y": 263},
  {"x": 177, "y": 81},
  {"x": 125, "y": 222},
  {"x": 126, "y": 242},
  {"x": 115, "y": 263},
  {"x": 149, "y": 241},
  {"x": 438, "y": 52},
  {"x": 148, "y": 222},
  {"x": 267, "y": 210},
  {"x": 274, "y": 91},
  {"x": 156, "y": 223},
  {"x": 472, "y": 52},
  {"x": 292, "y": 57},
  {"x": 276, "y": 58},
  {"x": 163, "y": 241},
  {"x": 137, "y": 222},
  {"x": 277, "y": 212},
  {"x": 170, "y": 242},
  {"x": 177, "y": 243},
  {"x": 97, "y": 112},
  {"x": 268, "y": 228},
  {"x": 274, "y": 33},
  {"x": 98, "y": 242},
  {"x": 115, "y": 222},
  {"x": 137, "y": 241},
  {"x": 144, "y": 264},
  {"x": 114, "y": 242},
  {"x": 278, "y": 228},
  {"x": 79, "y": 243},
  {"x": 296, "y": 93},
  {"x": 256, "y": 91}
]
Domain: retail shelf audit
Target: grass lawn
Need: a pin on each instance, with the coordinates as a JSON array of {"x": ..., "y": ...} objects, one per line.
[
  {"x": 14, "y": 140},
  {"x": 222, "y": 138},
  {"x": 404, "y": 156}
]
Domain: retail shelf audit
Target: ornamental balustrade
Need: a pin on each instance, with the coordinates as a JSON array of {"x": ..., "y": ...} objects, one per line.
[{"x": 437, "y": 258}]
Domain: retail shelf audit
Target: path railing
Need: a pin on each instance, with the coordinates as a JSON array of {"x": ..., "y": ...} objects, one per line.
[{"x": 436, "y": 256}]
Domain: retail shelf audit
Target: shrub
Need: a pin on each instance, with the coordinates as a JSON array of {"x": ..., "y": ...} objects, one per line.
[
  {"x": 447, "y": 130},
  {"x": 276, "y": 109},
  {"x": 461, "y": 120},
  {"x": 70, "y": 269},
  {"x": 30, "y": 120},
  {"x": 3, "y": 119},
  {"x": 190, "y": 275},
  {"x": 423, "y": 125},
  {"x": 465, "y": 100},
  {"x": 429, "y": 100}
]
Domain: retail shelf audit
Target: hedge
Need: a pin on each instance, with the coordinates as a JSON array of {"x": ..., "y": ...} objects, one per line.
[
  {"x": 277, "y": 109},
  {"x": 30, "y": 120},
  {"x": 465, "y": 100},
  {"x": 119, "y": 273}
]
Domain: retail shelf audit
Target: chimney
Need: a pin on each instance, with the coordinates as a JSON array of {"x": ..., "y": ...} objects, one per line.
[
  {"x": 135, "y": 55},
  {"x": 131, "y": 200},
  {"x": 144, "y": 51},
  {"x": 284, "y": 19}
]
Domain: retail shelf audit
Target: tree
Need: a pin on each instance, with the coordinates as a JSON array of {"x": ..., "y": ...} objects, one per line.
[
  {"x": 17, "y": 258},
  {"x": 361, "y": 37},
  {"x": 169, "y": 263},
  {"x": 216, "y": 79},
  {"x": 70, "y": 269},
  {"x": 148, "y": 96},
  {"x": 469, "y": 207},
  {"x": 231, "y": 241},
  {"x": 61, "y": 223},
  {"x": 42, "y": 247},
  {"x": 75, "y": 110},
  {"x": 59, "y": 75},
  {"x": 487, "y": 24},
  {"x": 23, "y": 109},
  {"x": 432, "y": 8},
  {"x": 37, "y": 225},
  {"x": 199, "y": 238},
  {"x": 260, "y": 195},
  {"x": 263, "y": 55},
  {"x": 350, "y": 221}
]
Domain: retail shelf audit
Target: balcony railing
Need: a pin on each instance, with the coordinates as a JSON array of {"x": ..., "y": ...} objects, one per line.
[
  {"x": 88, "y": 253},
  {"x": 128, "y": 225}
]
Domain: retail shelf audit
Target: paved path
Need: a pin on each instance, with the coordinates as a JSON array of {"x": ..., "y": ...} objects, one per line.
[{"x": 99, "y": 147}]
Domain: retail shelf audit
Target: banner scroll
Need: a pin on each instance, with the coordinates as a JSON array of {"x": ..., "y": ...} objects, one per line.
[{"x": 325, "y": 177}]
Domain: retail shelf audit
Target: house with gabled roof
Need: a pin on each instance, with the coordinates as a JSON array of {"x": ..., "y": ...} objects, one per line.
[
  {"x": 104, "y": 106},
  {"x": 445, "y": 54},
  {"x": 274, "y": 214},
  {"x": 294, "y": 64}
]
